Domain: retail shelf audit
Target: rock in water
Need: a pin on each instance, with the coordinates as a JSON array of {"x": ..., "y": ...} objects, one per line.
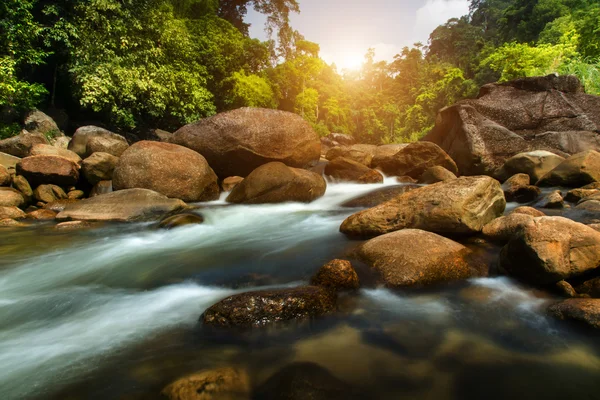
[
  {"x": 166, "y": 168},
  {"x": 413, "y": 257},
  {"x": 550, "y": 113},
  {"x": 416, "y": 158},
  {"x": 505, "y": 228},
  {"x": 39, "y": 170},
  {"x": 124, "y": 206},
  {"x": 344, "y": 169},
  {"x": 229, "y": 183},
  {"x": 90, "y": 139},
  {"x": 551, "y": 249},
  {"x": 178, "y": 220},
  {"x": 336, "y": 275},
  {"x": 277, "y": 183},
  {"x": 583, "y": 311},
  {"x": 239, "y": 141},
  {"x": 253, "y": 309},
  {"x": 576, "y": 171},
  {"x": 378, "y": 196},
  {"x": 459, "y": 206},
  {"x": 517, "y": 188},
  {"x": 221, "y": 383}
]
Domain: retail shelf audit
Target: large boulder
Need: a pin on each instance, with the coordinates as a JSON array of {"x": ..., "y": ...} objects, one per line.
[
  {"x": 99, "y": 167},
  {"x": 505, "y": 228},
  {"x": 275, "y": 182},
  {"x": 166, "y": 168},
  {"x": 582, "y": 311},
  {"x": 239, "y": 141},
  {"x": 90, "y": 139},
  {"x": 551, "y": 249},
  {"x": 576, "y": 171},
  {"x": 20, "y": 145},
  {"x": 415, "y": 159},
  {"x": 265, "y": 307},
  {"x": 47, "y": 150},
  {"x": 533, "y": 163},
  {"x": 550, "y": 113},
  {"x": 384, "y": 153},
  {"x": 436, "y": 174},
  {"x": 40, "y": 123},
  {"x": 346, "y": 170},
  {"x": 10, "y": 197},
  {"x": 413, "y": 257},
  {"x": 123, "y": 205},
  {"x": 221, "y": 383},
  {"x": 459, "y": 206},
  {"x": 39, "y": 170},
  {"x": 361, "y": 153}
]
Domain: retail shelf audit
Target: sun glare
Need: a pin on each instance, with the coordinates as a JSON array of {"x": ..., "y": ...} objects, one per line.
[{"x": 351, "y": 60}]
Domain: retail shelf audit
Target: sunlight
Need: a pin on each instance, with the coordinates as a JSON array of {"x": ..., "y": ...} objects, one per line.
[{"x": 351, "y": 60}]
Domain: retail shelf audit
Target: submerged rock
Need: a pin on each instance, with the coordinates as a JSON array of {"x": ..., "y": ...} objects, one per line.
[
  {"x": 459, "y": 206},
  {"x": 343, "y": 169},
  {"x": 582, "y": 311},
  {"x": 416, "y": 158},
  {"x": 277, "y": 183},
  {"x": 214, "y": 384},
  {"x": 336, "y": 275},
  {"x": 253, "y": 309},
  {"x": 178, "y": 220}
]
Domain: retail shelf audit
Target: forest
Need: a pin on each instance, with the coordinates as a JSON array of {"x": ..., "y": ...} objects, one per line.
[{"x": 134, "y": 65}]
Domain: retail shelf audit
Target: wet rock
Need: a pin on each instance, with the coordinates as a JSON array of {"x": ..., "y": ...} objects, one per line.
[
  {"x": 505, "y": 228},
  {"x": 39, "y": 123},
  {"x": 166, "y": 168},
  {"x": 42, "y": 215},
  {"x": 20, "y": 145},
  {"x": 10, "y": 197},
  {"x": 102, "y": 187},
  {"x": 590, "y": 287},
  {"x": 5, "y": 177},
  {"x": 305, "y": 380},
  {"x": 405, "y": 179},
  {"x": 576, "y": 195},
  {"x": 58, "y": 205},
  {"x": 534, "y": 163},
  {"x": 237, "y": 142},
  {"x": 589, "y": 203},
  {"x": 49, "y": 193},
  {"x": 528, "y": 211},
  {"x": 8, "y": 161},
  {"x": 277, "y": 183},
  {"x": 229, "y": 183},
  {"x": 517, "y": 188},
  {"x": 123, "y": 205},
  {"x": 253, "y": 309},
  {"x": 99, "y": 167},
  {"x": 76, "y": 194},
  {"x": 416, "y": 158},
  {"x": 565, "y": 289},
  {"x": 459, "y": 206},
  {"x": 385, "y": 153},
  {"x": 582, "y": 311},
  {"x": 436, "y": 174},
  {"x": 413, "y": 257},
  {"x": 178, "y": 220},
  {"x": 11, "y": 212},
  {"x": 343, "y": 169},
  {"x": 378, "y": 196},
  {"x": 10, "y": 223},
  {"x": 39, "y": 170},
  {"x": 91, "y": 139},
  {"x": 552, "y": 200},
  {"x": 214, "y": 384},
  {"x": 336, "y": 275},
  {"x": 576, "y": 171},
  {"x": 47, "y": 150},
  {"x": 361, "y": 153},
  {"x": 550, "y": 250},
  {"x": 73, "y": 225}
]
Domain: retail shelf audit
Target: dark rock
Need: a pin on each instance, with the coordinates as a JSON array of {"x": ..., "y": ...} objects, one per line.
[
  {"x": 517, "y": 188},
  {"x": 222, "y": 383},
  {"x": 576, "y": 195},
  {"x": 343, "y": 169},
  {"x": 341, "y": 138},
  {"x": 552, "y": 200},
  {"x": 178, "y": 220},
  {"x": 582, "y": 311},
  {"x": 565, "y": 289},
  {"x": 590, "y": 287},
  {"x": 336, "y": 275}
]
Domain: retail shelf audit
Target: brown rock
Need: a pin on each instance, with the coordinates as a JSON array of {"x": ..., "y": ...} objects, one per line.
[
  {"x": 459, "y": 206},
  {"x": 58, "y": 205},
  {"x": 221, "y": 383},
  {"x": 21, "y": 184},
  {"x": 49, "y": 193},
  {"x": 5, "y": 177},
  {"x": 378, "y": 196},
  {"x": 528, "y": 211},
  {"x": 39, "y": 170},
  {"x": 10, "y": 197},
  {"x": 42, "y": 215},
  {"x": 102, "y": 187},
  {"x": 73, "y": 225},
  {"x": 534, "y": 163},
  {"x": 11, "y": 212},
  {"x": 565, "y": 289},
  {"x": 517, "y": 188},
  {"x": 90, "y": 139},
  {"x": 405, "y": 179},
  {"x": 277, "y": 183},
  {"x": 593, "y": 185},
  {"x": 576, "y": 195},
  {"x": 39, "y": 123},
  {"x": 344, "y": 169},
  {"x": 47, "y": 150},
  {"x": 166, "y": 168},
  {"x": 416, "y": 158},
  {"x": 237, "y": 142},
  {"x": 590, "y": 287},
  {"x": 582, "y": 311},
  {"x": 99, "y": 167},
  {"x": 385, "y": 153},
  {"x": 229, "y": 183},
  {"x": 550, "y": 250},
  {"x": 10, "y": 223},
  {"x": 413, "y": 257},
  {"x": 505, "y": 228},
  {"x": 341, "y": 138},
  {"x": 8, "y": 161},
  {"x": 178, "y": 220},
  {"x": 76, "y": 194},
  {"x": 552, "y": 200},
  {"x": 361, "y": 153},
  {"x": 253, "y": 309},
  {"x": 336, "y": 275},
  {"x": 576, "y": 171},
  {"x": 124, "y": 205},
  {"x": 436, "y": 174},
  {"x": 20, "y": 145}
]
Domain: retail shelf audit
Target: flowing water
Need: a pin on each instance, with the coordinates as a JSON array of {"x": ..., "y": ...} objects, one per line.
[{"x": 112, "y": 313}]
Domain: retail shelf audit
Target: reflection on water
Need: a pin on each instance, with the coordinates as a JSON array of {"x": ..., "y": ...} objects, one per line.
[{"x": 112, "y": 313}]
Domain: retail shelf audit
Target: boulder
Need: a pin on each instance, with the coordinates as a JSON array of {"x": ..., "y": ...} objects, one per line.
[
  {"x": 336, "y": 275},
  {"x": 76, "y": 194},
  {"x": 229, "y": 183},
  {"x": 576, "y": 171},
  {"x": 528, "y": 211},
  {"x": 175, "y": 221},
  {"x": 341, "y": 138},
  {"x": 361, "y": 153},
  {"x": 517, "y": 188},
  {"x": 99, "y": 167},
  {"x": 405, "y": 179},
  {"x": 58, "y": 205},
  {"x": 550, "y": 113},
  {"x": 505, "y": 228},
  {"x": 253, "y": 309},
  {"x": 565, "y": 289},
  {"x": 10, "y": 223},
  {"x": 550, "y": 250},
  {"x": 277, "y": 183},
  {"x": 576, "y": 195},
  {"x": 5, "y": 177},
  {"x": 436, "y": 174},
  {"x": 102, "y": 187},
  {"x": 378, "y": 196},
  {"x": 416, "y": 158},
  {"x": 22, "y": 185},
  {"x": 39, "y": 123},
  {"x": 90, "y": 139},
  {"x": 221, "y": 383},
  {"x": 591, "y": 287},
  {"x": 459, "y": 206},
  {"x": 20, "y": 145},
  {"x": 553, "y": 199},
  {"x": 413, "y": 257},
  {"x": 61, "y": 142},
  {"x": 239, "y": 141},
  {"x": 166, "y": 168},
  {"x": 384, "y": 153},
  {"x": 582, "y": 311},
  {"x": 39, "y": 170},
  {"x": 346, "y": 170},
  {"x": 589, "y": 203},
  {"x": 42, "y": 215},
  {"x": 593, "y": 185},
  {"x": 123, "y": 205},
  {"x": 9, "y": 197},
  {"x": 47, "y": 150},
  {"x": 533, "y": 163},
  {"x": 74, "y": 225},
  {"x": 9, "y": 161},
  {"x": 11, "y": 212},
  {"x": 49, "y": 193}
]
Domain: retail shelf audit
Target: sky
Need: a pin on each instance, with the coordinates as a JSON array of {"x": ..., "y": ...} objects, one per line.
[{"x": 346, "y": 29}]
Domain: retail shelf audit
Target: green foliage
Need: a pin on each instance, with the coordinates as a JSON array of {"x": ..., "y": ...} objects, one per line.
[
  {"x": 15, "y": 93},
  {"x": 9, "y": 130},
  {"x": 251, "y": 91}
]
